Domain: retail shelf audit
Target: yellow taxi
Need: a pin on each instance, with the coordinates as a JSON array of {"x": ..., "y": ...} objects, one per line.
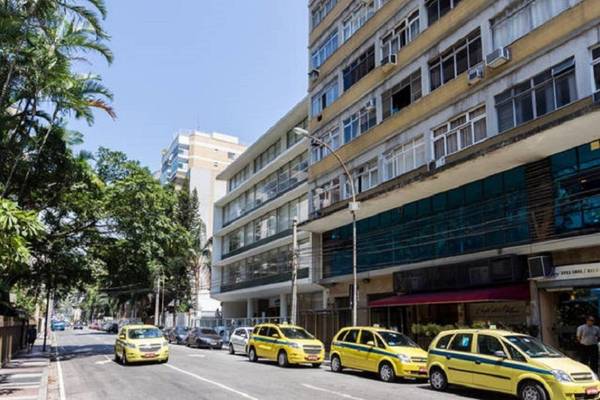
[
  {"x": 286, "y": 344},
  {"x": 508, "y": 362},
  {"x": 137, "y": 343},
  {"x": 373, "y": 349}
]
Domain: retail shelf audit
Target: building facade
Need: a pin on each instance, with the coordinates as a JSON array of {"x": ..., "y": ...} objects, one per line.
[
  {"x": 266, "y": 189},
  {"x": 198, "y": 158},
  {"x": 469, "y": 131}
]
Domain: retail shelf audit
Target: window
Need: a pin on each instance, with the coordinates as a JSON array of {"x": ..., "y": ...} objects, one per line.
[
  {"x": 358, "y": 68},
  {"x": 327, "y": 194},
  {"x": 319, "y": 13},
  {"x": 596, "y": 67},
  {"x": 514, "y": 353},
  {"x": 231, "y": 155},
  {"x": 357, "y": 19},
  {"x": 359, "y": 122},
  {"x": 325, "y": 50},
  {"x": 436, "y": 9},
  {"x": 457, "y": 59},
  {"x": 404, "y": 158},
  {"x": 488, "y": 345},
  {"x": 405, "y": 32},
  {"x": 402, "y": 95},
  {"x": 352, "y": 336},
  {"x": 459, "y": 133},
  {"x": 325, "y": 98},
  {"x": 331, "y": 138},
  {"x": 267, "y": 156},
  {"x": 462, "y": 342},
  {"x": 522, "y": 17},
  {"x": 366, "y": 337},
  {"x": 443, "y": 342},
  {"x": 365, "y": 178},
  {"x": 545, "y": 92}
]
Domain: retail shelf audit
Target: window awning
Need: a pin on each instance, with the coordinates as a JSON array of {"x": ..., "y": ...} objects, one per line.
[{"x": 518, "y": 292}]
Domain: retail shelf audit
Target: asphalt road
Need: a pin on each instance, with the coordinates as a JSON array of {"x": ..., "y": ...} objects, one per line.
[{"x": 89, "y": 373}]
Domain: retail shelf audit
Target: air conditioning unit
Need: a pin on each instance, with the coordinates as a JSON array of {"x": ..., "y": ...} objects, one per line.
[
  {"x": 475, "y": 74},
  {"x": 596, "y": 97},
  {"x": 389, "y": 61},
  {"x": 370, "y": 105},
  {"x": 498, "y": 57},
  {"x": 440, "y": 162},
  {"x": 540, "y": 266},
  {"x": 313, "y": 75}
]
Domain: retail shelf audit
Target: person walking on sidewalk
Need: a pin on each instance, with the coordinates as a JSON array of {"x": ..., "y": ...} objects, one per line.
[
  {"x": 587, "y": 337},
  {"x": 31, "y": 337}
]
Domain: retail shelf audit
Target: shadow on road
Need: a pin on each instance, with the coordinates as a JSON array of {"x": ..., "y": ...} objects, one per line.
[
  {"x": 472, "y": 393},
  {"x": 87, "y": 350}
]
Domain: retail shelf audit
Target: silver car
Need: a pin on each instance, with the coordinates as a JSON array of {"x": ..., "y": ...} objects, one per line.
[{"x": 239, "y": 339}]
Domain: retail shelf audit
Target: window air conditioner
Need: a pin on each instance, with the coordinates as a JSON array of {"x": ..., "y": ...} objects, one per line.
[
  {"x": 475, "y": 74},
  {"x": 498, "y": 57},
  {"x": 540, "y": 266},
  {"x": 313, "y": 75}
]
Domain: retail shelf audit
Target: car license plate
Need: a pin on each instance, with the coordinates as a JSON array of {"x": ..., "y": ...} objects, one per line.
[
  {"x": 591, "y": 391},
  {"x": 423, "y": 370},
  {"x": 149, "y": 355},
  {"x": 312, "y": 358}
]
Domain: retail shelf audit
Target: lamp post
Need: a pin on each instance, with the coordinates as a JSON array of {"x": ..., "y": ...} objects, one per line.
[{"x": 353, "y": 206}]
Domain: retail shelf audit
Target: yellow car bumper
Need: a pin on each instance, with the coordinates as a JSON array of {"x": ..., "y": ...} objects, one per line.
[
  {"x": 138, "y": 356},
  {"x": 575, "y": 391},
  {"x": 411, "y": 370},
  {"x": 300, "y": 357}
]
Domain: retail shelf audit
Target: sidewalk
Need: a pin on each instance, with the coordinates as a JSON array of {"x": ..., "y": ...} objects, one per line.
[{"x": 26, "y": 376}]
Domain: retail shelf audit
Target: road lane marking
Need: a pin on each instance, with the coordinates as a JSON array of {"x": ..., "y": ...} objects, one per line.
[
  {"x": 197, "y": 355},
  {"x": 344, "y": 395},
  {"x": 61, "y": 382},
  {"x": 200, "y": 378}
]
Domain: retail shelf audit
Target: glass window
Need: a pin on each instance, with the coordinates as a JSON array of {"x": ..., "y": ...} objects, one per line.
[
  {"x": 533, "y": 347},
  {"x": 404, "y": 158},
  {"x": 320, "y": 12},
  {"x": 324, "y": 98},
  {"x": 465, "y": 54},
  {"x": 436, "y": 9},
  {"x": 366, "y": 337},
  {"x": 357, "y": 19},
  {"x": 444, "y": 342},
  {"x": 352, "y": 336},
  {"x": 462, "y": 342},
  {"x": 358, "y": 68},
  {"x": 488, "y": 345},
  {"x": 405, "y": 32},
  {"x": 459, "y": 133},
  {"x": 402, "y": 95},
  {"x": 325, "y": 50},
  {"x": 396, "y": 339},
  {"x": 514, "y": 353}
]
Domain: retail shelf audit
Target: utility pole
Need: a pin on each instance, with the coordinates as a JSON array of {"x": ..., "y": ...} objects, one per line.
[
  {"x": 163, "y": 318},
  {"x": 47, "y": 315},
  {"x": 157, "y": 300},
  {"x": 294, "y": 271}
]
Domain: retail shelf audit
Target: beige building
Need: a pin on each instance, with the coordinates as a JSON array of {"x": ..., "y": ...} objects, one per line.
[{"x": 199, "y": 158}]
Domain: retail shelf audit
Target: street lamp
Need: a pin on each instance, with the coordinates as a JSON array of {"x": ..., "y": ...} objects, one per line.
[{"x": 353, "y": 206}]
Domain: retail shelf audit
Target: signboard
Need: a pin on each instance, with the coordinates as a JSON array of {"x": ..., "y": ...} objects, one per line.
[
  {"x": 579, "y": 271},
  {"x": 510, "y": 312}
]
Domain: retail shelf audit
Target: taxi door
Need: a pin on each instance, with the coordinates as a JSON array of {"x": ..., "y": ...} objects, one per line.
[
  {"x": 491, "y": 372},
  {"x": 460, "y": 359},
  {"x": 261, "y": 339},
  {"x": 273, "y": 344},
  {"x": 118, "y": 342},
  {"x": 351, "y": 353},
  {"x": 368, "y": 357}
]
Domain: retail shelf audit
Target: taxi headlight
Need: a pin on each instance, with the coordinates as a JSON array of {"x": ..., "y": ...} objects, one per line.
[
  {"x": 561, "y": 375},
  {"x": 403, "y": 358},
  {"x": 130, "y": 345},
  {"x": 294, "y": 345}
]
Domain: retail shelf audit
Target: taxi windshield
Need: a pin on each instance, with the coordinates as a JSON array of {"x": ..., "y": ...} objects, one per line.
[
  {"x": 396, "y": 339},
  {"x": 533, "y": 347},
  {"x": 295, "y": 333},
  {"x": 144, "y": 333}
]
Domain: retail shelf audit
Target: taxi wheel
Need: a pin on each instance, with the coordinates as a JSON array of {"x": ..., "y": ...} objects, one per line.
[
  {"x": 336, "y": 364},
  {"x": 438, "y": 379},
  {"x": 282, "y": 359},
  {"x": 252, "y": 355},
  {"x": 386, "y": 372},
  {"x": 532, "y": 391},
  {"x": 231, "y": 349}
]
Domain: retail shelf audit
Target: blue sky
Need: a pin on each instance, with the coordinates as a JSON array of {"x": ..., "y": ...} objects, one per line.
[{"x": 232, "y": 66}]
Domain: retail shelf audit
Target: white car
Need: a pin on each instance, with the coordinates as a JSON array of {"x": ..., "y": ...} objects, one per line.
[{"x": 239, "y": 339}]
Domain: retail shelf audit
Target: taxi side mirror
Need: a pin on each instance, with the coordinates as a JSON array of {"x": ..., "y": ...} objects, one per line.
[
  {"x": 371, "y": 343},
  {"x": 275, "y": 335},
  {"x": 500, "y": 354}
]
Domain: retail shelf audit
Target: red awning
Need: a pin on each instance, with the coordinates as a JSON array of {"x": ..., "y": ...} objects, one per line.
[{"x": 501, "y": 293}]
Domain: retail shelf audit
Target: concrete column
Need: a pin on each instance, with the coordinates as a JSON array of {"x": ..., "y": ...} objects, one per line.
[
  {"x": 250, "y": 308},
  {"x": 283, "y": 306}
]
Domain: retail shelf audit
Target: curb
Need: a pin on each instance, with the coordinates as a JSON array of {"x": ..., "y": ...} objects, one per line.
[{"x": 43, "y": 391}]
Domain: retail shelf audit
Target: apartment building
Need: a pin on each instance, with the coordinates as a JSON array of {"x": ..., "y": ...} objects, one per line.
[
  {"x": 198, "y": 158},
  {"x": 469, "y": 129},
  {"x": 266, "y": 189}
]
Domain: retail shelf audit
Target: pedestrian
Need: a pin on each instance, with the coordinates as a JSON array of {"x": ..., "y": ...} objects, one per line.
[
  {"x": 587, "y": 337},
  {"x": 31, "y": 337}
]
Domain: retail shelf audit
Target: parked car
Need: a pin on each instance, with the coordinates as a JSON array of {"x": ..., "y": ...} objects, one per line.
[
  {"x": 239, "y": 340},
  {"x": 507, "y": 362},
  {"x": 177, "y": 334},
  {"x": 137, "y": 343},
  {"x": 389, "y": 353},
  {"x": 57, "y": 325},
  {"x": 95, "y": 325},
  {"x": 224, "y": 332},
  {"x": 111, "y": 327},
  {"x": 77, "y": 325},
  {"x": 286, "y": 344},
  {"x": 204, "y": 337}
]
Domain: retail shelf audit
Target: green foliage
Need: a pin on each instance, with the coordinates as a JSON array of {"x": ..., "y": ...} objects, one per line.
[{"x": 17, "y": 229}]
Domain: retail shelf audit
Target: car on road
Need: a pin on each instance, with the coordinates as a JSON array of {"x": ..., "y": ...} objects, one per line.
[
  {"x": 77, "y": 325},
  {"x": 58, "y": 325},
  {"x": 204, "y": 337},
  {"x": 508, "y": 362},
  {"x": 389, "y": 353},
  {"x": 239, "y": 340},
  {"x": 138, "y": 343},
  {"x": 177, "y": 334},
  {"x": 286, "y": 344},
  {"x": 110, "y": 327}
]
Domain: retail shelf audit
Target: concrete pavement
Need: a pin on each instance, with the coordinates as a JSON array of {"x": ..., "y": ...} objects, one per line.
[
  {"x": 89, "y": 372},
  {"x": 25, "y": 377}
]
